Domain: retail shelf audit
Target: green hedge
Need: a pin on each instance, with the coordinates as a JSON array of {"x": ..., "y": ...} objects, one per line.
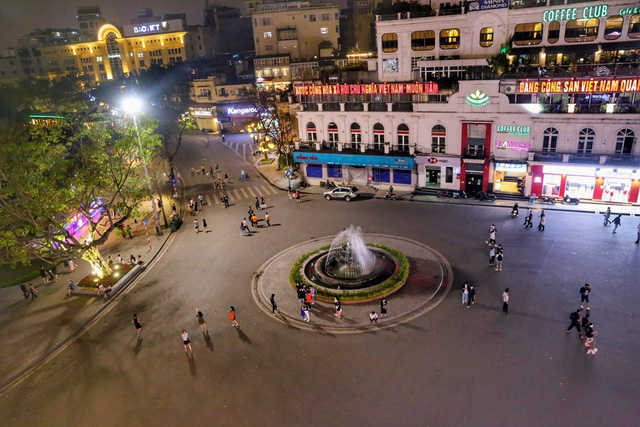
[
  {"x": 403, "y": 272},
  {"x": 22, "y": 279}
]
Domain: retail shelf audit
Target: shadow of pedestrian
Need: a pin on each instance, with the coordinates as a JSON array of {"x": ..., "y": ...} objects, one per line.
[
  {"x": 243, "y": 336},
  {"x": 207, "y": 340},
  {"x": 192, "y": 364},
  {"x": 138, "y": 347}
]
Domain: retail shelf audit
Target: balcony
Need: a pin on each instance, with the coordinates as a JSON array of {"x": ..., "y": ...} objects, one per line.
[
  {"x": 355, "y": 148},
  {"x": 474, "y": 152}
]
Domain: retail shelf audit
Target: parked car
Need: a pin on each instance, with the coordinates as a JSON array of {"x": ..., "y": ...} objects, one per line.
[{"x": 346, "y": 193}]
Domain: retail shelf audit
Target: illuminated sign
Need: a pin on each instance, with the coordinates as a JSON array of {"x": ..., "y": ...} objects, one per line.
[
  {"x": 232, "y": 111},
  {"x": 571, "y": 13},
  {"x": 629, "y": 11},
  {"x": 515, "y": 130},
  {"x": 149, "y": 28},
  {"x": 580, "y": 86},
  {"x": 480, "y": 5},
  {"x": 514, "y": 145},
  {"x": 478, "y": 99},
  {"x": 202, "y": 112},
  {"x": 366, "y": 89}
]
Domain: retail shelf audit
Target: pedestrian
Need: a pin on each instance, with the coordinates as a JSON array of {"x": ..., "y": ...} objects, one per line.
[
  {"x": 201, "y": 322},
  {"x": 472, "y": 296},
  {"x": 257, "y": 204},
  {"x": 215, "y": 165},
  {"x": 267, "y": 219},
  {"x": 585, "y": 291},
  {"x": 263, "y": 205},
  {"x": 589, "y": 333},
  {"x": 607, "y": 215},
  {"x": 72, "y": 287},
  {"x": 232, "y": 315},
  {"x": 616, "y": 222},
  {"x": 242, "y": 175},
  {"x": 43, "y": 274},
  {"x": 274, "y": 306},
  {"x": 33, "y": 292},
  {"x": 297, "y": 196},
  {"x": 24, "y": 290},
  {"x": 304, "y": 310},
  {"x": 505, "y": 301},
  {"x": 584, "y": 323},
  {"x": 312, "y": 292},
  {"x": 492, "y": 236},
  {"x": 575, "y": 320},
  {"x": 132, "y": 260},
  {"x": 140, "y": 261},
  {"x": 128, "y": 231},
  {"x": 383, "y": 307},
  {"x": 196, "y": 225},
  {"x": 307, "y": 298},
  {"x": 543, "y": 221},
  {"x": 119, "y": 259},
  {"x": 373, "y": 317},
  {"x": 499, "y": 259},
  {"x": 204, "y": 225},
  {"x": 186, "y": 341},
  {"x": 254, "y": 220},
  {"x": 338, "y": 307},
  {"x": 201, "y": 199},
  {"x": 54, "y": 273},
  {"x": 290, "y": 192},
  {"x": 638, "y": 238},
  {"x": 203, "y": 169},
  {"x": 72, "y": 266},
  {"x": 465, "y": 294},
  {"x": 211, "y": 171},
  {"x": 527, "y": 219},
  {"x": 136, "y": 323},
  {"x": 193, "y": 171},
  {"x": 226, "y": 178},
  {"x": 492, "y": 257},
  {"x": 300, "y": 292}
]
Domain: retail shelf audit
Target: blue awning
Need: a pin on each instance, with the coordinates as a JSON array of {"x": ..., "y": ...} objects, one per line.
[{"x": 353, "y": 160}]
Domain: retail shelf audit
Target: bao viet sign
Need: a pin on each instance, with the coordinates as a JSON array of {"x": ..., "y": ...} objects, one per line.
[
  {"x": 579, "y": 86},
  {"x": 366, "y": 89},
  {"x": 481, "y": 5},
  {"x": 571, "y": 13}
]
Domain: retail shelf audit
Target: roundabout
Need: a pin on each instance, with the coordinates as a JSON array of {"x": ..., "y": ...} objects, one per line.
[{"x": 359, "y": 269}]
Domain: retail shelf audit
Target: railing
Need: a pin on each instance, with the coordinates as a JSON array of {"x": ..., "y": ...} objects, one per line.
[
  {"x": 474, "y": 152},
  {"x": 402, "y": 148}
]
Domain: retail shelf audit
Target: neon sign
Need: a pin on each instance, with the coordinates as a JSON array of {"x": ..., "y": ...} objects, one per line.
[
  {"x": 515, "y": 130},
  {"x": 513, "y": 145},
  {"x": 571, "y": 13},
  {"x": 366, "y": 89},
  {"x": 629, "y": 11},
  {"x": 149, "y": 28},
  {"x": 580, "y": 86},
  {"x": 478, "y": 99},
  {"x": 232, "y": 111}
]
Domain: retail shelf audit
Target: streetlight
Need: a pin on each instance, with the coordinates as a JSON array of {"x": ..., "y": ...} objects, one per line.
[{"x": 133, "y": 106}]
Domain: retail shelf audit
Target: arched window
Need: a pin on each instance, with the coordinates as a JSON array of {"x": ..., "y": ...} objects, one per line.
[
  {"x": 389, "y": 42},
  {"x": 613, "y": 27},
  {"x": 312, "y": 133},
  {"x": 378, "y": 136},
  {"x": 624, "y": 141},
  {"x": 438, "y": 139},
  {"x": 403, "y": 137},
  {"x": 585, "y": 140},
  {"x": 486, "y": 37},
  {"x": 356, "y": 135},
  {"x": 549, "y": 140},
  {"x": 333, "y": 134},
  {"x": 553, "y": 34}
]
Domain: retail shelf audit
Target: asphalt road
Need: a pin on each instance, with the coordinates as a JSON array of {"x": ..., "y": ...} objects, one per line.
[{"x": 452, "y": 366}]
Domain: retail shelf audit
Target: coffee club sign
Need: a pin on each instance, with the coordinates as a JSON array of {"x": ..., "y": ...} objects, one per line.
[
  {"x": 571, "y": 13},
  {"x": 514, "y": 130}
]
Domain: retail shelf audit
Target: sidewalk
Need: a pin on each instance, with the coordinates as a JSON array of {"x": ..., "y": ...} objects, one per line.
[
  {"x": 33, "y": 328},
  {"x": 276, "y": 178}
]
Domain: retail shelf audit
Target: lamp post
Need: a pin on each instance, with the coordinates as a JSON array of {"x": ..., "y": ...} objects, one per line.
[{"x": 133, "y": 106}]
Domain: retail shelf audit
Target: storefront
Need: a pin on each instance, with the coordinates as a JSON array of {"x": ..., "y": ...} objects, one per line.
[
  {"x": 619, "y": 184},
  {"x": 357, "y": 169},
  {"x": 509, "y": 177},
  {"x": 205, "y": 118},
  {"x": 438, "y": 172},
  {"x": 236, "y": 117}
]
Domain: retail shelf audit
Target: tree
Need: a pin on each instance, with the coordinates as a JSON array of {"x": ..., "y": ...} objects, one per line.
[
  {"x": 52, "y": 175},
  {"x": 172, "y": 133}
]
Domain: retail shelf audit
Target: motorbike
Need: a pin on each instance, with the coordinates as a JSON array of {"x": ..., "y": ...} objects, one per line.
[
  {"x": 570, "y": 200},
  {"x": 458, "y": 194},
  {"x": 486, "y": 196},
  {"x": 546, "y": 199},
  {"x": 444, "y": 193},
  {"x": 514, "y": 213},
  {"x": 390, "y": 196}
]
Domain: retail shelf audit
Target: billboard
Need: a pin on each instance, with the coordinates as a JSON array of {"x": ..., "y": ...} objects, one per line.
[{"x": 482, "y": 5}]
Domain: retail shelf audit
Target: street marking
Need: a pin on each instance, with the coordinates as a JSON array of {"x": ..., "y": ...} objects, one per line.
[
  {"x": 244, "y": 192},
  {"x": 244, "y": 150},
  {"x": 251, "y": 192},
  {"x": 216, "y": 200},
  {"x": 208, "y": 199},
  {"x": 271, "y": 189},
  {"x": 237, "y": 194}
]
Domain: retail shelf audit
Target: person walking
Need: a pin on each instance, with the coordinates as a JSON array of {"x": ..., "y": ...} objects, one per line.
[
  {"x": 492, "y": 236},
  {"x": 312, "y": 292},
  {"x": 43, "y": 274},
  {"x": 527, "y": 219},
  {"x": 584, "y": 323},
  {"x": 136, "y": 323},
  {"x": 543, "y": 221},
  {"x": 492, "y": 257},
  {"x": 186, "y": 342},
  {"x": 638, "y": 237},
  {"x": 373, "y": 317},
  {"x": 24, "y": 290},
  {"x": 232, "y": 316},
  {"x": 201, "y": 322},
  {"x": 72, "y": 287},
  {"x": 226, "y": 178},
  {"x": 585, "y": 291},
  {"x": 499, "y": 259},
  {"x": 505, "y": 301},
  {"x": 304, "y": 310},
  {"x": 465, "y": 294},
  {"x": 575, "y": 320},
  {"x": 383, "y": 307},
  {"x": 589, "y": 333},
  {"x": 338, "y": 307},
  {"x": 297, "y": 196},
  {"x": 33, "y": 292},
  {"x": 204, "y": 225},
  {"x": 307, "y": 298},
  {"x": 257, "y": 204},
  {"x": 201, "y": 199},
  {"x": 267, "y": 219},
  {"x": 196, "y": 225},
  {"x": 274, "y": 306},
  {"x": 607, "y": 215},
  {"x": 472, "y": 296},
  {"x": 616, "y": 222}
]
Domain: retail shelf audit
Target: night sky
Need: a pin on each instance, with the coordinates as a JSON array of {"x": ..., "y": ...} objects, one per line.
[{"x": 20, "y": 17}]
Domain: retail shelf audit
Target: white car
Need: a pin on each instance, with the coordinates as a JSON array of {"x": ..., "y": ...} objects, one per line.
[{"x": 346, "y": 193}]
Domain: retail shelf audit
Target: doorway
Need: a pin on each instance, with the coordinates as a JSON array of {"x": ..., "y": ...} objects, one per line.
[
  {"x": 433, "y": 178},
  {"x": 473, "y": 183}
]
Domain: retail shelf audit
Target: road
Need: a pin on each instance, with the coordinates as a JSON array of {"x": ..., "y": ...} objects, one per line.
[{"x": 452, "y": 366}]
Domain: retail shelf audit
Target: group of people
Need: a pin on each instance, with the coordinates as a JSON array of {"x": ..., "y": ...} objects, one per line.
[
  {"x": 581, "y": 321},
  {"x": 496, "y": 251},
  {"x": 253, "y": 218},
  {"x": 528, "y": 219},
  {"x": 306, "y": 298}
]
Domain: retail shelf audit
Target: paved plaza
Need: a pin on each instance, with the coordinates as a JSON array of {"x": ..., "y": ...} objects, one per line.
[{"x": 450, "y": 366}]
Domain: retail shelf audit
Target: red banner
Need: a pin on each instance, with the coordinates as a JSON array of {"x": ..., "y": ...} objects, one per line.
[{"x": 366, "y": 89}]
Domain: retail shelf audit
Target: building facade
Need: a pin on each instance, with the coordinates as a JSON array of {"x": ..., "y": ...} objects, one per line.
[{"x": 216, "y": 105}]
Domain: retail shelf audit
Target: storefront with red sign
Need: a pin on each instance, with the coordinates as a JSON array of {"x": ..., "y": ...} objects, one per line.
[{"x": 438, "y": 172}]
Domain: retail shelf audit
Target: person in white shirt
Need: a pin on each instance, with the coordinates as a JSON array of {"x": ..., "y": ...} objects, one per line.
[
  {"x": 373, "y": 317},
  {"x": 505, "y": 301}
]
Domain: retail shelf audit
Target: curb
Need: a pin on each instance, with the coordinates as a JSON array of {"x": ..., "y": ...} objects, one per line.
[{"x": 291, "y": 321}]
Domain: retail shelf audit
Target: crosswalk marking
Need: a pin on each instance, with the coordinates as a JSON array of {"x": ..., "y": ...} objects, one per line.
[
  {"x": 208, "y": 199},
  {"x": 251, "y": 192},
  {"x": 216, "y": 200},
  {"x": 237, "y": 194},
  {"x": 244, "y": 151},
  {"x": 269, "y": 189},
  {"x": 244, "y": 193}
]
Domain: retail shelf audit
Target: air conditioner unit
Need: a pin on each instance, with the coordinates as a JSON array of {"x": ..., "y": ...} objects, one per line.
[
  {"x": 299, "y": 107},
  {"x": 510, "y": 89}
]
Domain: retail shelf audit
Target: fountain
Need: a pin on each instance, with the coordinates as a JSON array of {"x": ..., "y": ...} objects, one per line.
[{"x": 350, "y": 264}]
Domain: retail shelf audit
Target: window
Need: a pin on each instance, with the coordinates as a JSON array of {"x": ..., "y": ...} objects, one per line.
[
  {"x": 402, "y": 176},
  {"x": 312, "y": 18},
  {"x": 613, "y": 27},
  {"x": 324, "y": 30},
  {"x": 325, "y": 17},
  {"x": 389, "y": 42},
  {"x": 390, "y": 65},
  {"x": 450, "y": 39},
  {"x": 266, "y": 21},
  {"x": 141, "y": 62},
  {"x": 581, "y": 30},
  {"x": 554, "y": 32},
  {"x": 438, "y": 139},
  {"x": 312, "y": 134},
  {"x": 423, "y": 40},
  {"x": 98, "y": 58},
  {"x": 333, "y": 134},
  {"x": 624, "y": 141},
  {"x": 334, "y": 171},
  {"x": 378, "y": 136},
  {"x": 314, "y": 171},
  {"x": 267, "y": 34},
  {"x": 634, "y": 26},
  {"x": 527, "y": 34},
  {"x": 403, "y": 137},
  {"x": 448, "y": 174},
  {"x": 356, "y": 135},
  {"x": 486, "y": 37},
  {"x": 268, "y": 48},
  {"x": 549, "y": 140},
  {"x": 380, "y": 175},
  {"x": 585, "y": 140}
]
